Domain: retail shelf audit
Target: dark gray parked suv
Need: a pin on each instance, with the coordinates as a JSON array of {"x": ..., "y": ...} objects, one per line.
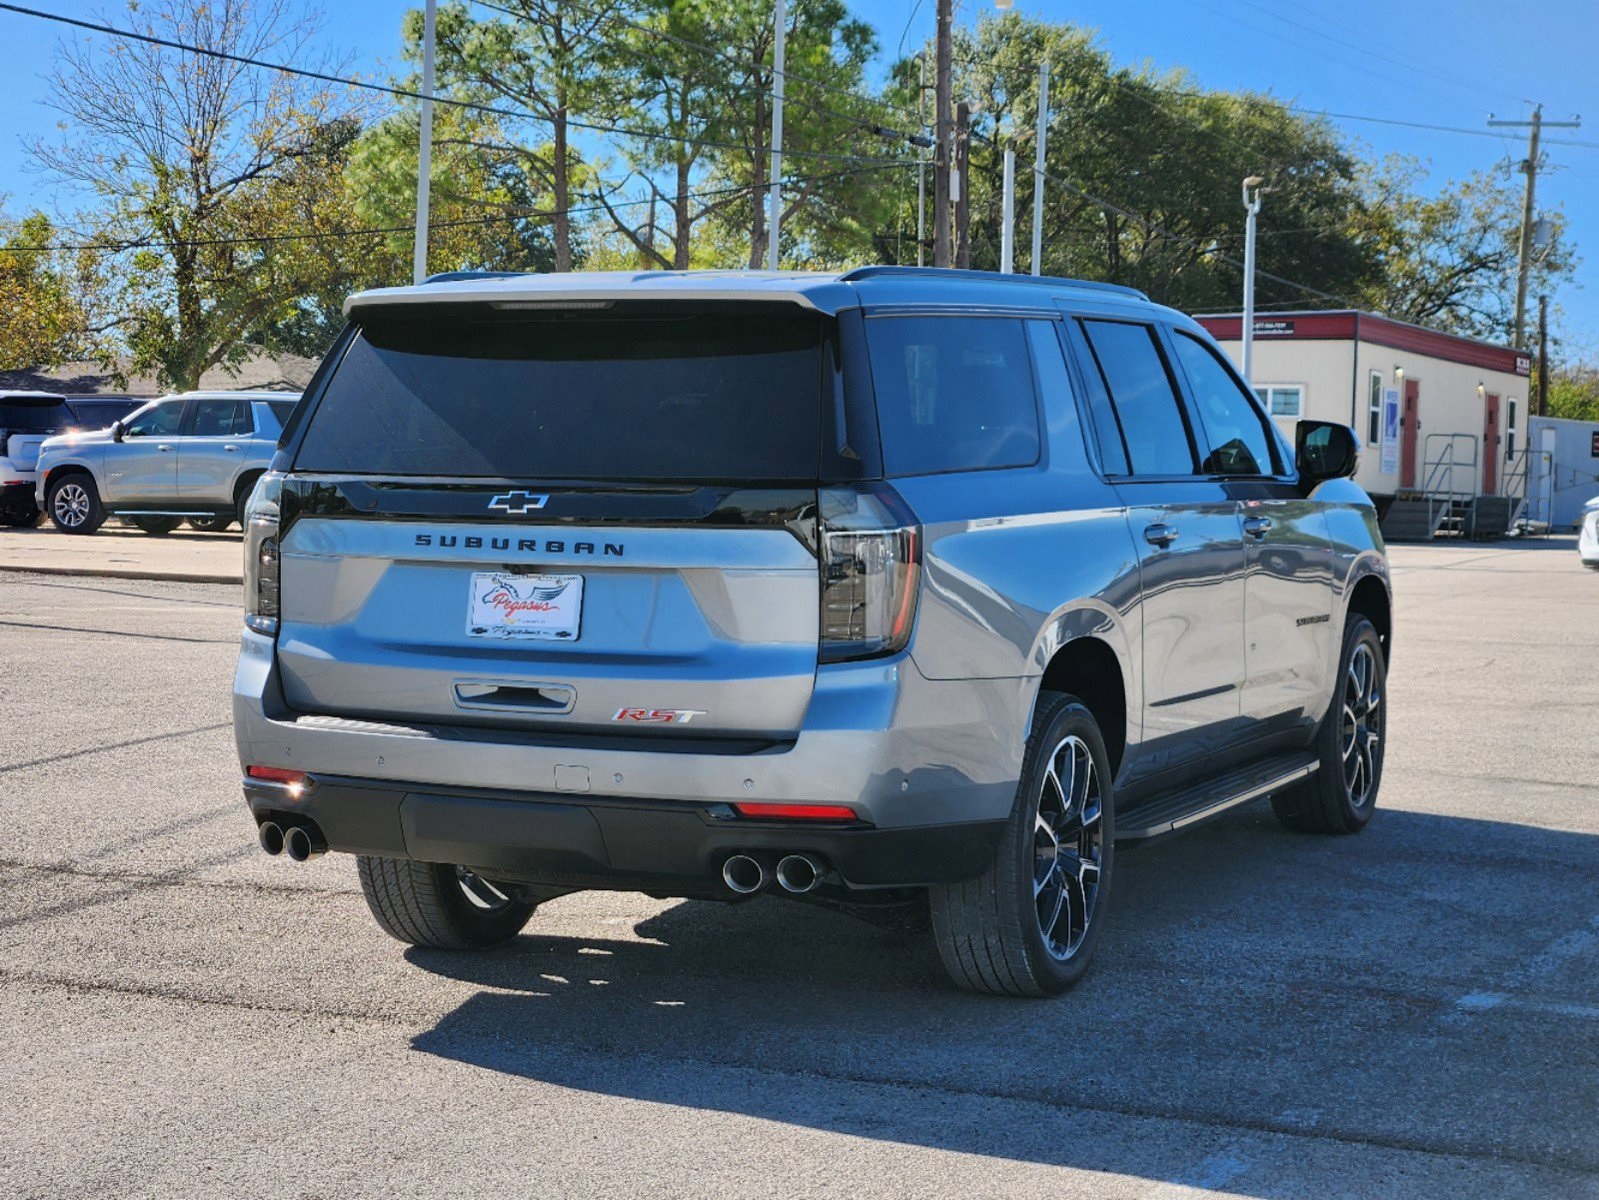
[{"x": 875, "y": 588}]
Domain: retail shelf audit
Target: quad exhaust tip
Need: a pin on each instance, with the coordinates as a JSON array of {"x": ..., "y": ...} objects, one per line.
[
  {"x": 271, "y": 836},
  {"x": 799, "y": 873},
  {"x": 301, "y": 843},
  {"x": 745, "y": 874}
]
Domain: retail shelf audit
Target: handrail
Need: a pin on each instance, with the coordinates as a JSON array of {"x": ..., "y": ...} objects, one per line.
[
  {"x": 1441, "y": 485},
  {"x": 1531, "y": 507}
]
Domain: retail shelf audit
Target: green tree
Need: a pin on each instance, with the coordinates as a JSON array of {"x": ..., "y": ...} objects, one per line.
[
  {"x": 1450, "y": 260},
  {"x": 46, "y": 296},
  {"x": 1574, "y": 391},
  {"x": 213, "y": 168}
]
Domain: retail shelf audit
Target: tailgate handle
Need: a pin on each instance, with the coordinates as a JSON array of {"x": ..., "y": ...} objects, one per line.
[{"x": 548, "y": 698}]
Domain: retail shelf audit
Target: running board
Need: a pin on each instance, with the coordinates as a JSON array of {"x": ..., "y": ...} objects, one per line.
[{"x": 1174, "y": 810}]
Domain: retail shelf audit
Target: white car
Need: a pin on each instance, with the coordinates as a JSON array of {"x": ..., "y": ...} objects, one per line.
[
  {"x": 26, "y": 420},
  {"x": 1588, "y": 534}
]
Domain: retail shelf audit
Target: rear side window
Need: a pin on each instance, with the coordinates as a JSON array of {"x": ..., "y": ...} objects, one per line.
[
  {"x": 1146, "y": 406},
  {"x": 222, "y": 418},
  {"x": 690, "y": 394},
  {"x": 953, "y": 393},
  {"x": 1234, "y": 429},
  {"x": 281, "y": 410}
]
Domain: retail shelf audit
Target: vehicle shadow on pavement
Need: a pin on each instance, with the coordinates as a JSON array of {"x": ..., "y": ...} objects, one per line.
[{"x": 1380, "y": 991}]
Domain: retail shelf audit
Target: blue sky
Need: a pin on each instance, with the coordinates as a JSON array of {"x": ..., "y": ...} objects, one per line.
[{"x": 1414, "y": 60}]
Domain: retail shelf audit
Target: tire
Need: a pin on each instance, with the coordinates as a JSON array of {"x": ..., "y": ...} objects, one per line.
[
  {"x": 439, "y": 905},
  {"x": 156, "y": 526},
  {"x": 991, "y": 931},
  {"x": 21, "y": 514},
  {"x": 1341, "y": 796},
  {"x": 210, "y": 524},
  {"x": 241, "y": 499},
  {"x": 73, "y": 504}
]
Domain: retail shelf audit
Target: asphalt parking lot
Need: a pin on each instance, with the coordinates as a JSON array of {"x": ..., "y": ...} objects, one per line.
[{"x": 1410, "y": 1012}]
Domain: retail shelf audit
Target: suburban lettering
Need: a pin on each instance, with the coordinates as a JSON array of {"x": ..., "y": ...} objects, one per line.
[
  {"x": 612, "y": 549},
  {"x": 474, "y": 543},
  {"x": 583, "y": 548},
  {"x": 424, "y": 539}
]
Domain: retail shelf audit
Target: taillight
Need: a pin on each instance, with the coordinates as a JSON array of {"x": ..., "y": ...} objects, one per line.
[
  {"x": 261, "y": 555},
  {"x": 871, "y": 554},
  {"x": 797, "y": 812}
]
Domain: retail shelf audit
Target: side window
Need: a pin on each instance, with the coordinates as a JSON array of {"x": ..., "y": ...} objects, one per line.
[
  {"x": 1281, "y": 399},
  {"x": 1374, "y": 408},
  {"x": 281, "y": 410},
  {"x": 1106, "y": 432},
  {"x": 1234, "y": 428},
  {"x": 1054, "y": 382},
  {"x": 953, "y": 393},
  {"x": 161, "y": 420},
  {"x": 1147, "y": 409},
  {"x": 222, "y": 418}
]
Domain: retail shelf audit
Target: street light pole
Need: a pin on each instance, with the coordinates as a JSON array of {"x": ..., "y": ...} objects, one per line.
[
  {"x": 1007, "y": 231},
  {"x": 1038, "y": 168},
  {"x": 424, "y": 157},
  {"x": 779, "y": 50},
  {"x": 1252, "y": 190}
]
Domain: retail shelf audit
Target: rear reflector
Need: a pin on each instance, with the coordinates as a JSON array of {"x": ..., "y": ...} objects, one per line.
[
  {"x": 797, "y": 812},
  {"x": 275, "y": 774}
]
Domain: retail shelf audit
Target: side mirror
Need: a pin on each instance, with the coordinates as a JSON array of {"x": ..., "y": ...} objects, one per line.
[
  {"x": 116, "y": 431},
  {"x": 1324, "y": 450}
]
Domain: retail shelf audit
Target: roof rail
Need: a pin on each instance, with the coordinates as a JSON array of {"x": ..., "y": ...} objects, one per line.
[
  {"x": 951, "y": 273},
  {"x": 458, "y": 276}
]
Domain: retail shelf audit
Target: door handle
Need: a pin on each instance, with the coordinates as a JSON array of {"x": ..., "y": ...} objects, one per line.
[
  {"x": 231, "y": 449},
  {"x": 164, "y": 449},
  {"x": 1160, "y": 535},
  {"x": 1258, "y": 527}
]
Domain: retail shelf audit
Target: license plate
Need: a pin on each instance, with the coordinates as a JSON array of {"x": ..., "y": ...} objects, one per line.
[{"x": 525, "y": 606}]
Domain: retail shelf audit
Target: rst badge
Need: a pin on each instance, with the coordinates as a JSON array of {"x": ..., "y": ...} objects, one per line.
[{"x": 657, "y": 716}]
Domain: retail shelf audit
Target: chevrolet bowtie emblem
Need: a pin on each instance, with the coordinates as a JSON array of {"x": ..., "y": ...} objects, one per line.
[{"x": 518, "y": 502}]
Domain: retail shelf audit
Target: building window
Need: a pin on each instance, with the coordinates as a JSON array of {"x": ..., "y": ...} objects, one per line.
[
  {"x": 1282, "y": 399},
  {"x": 1374, "y": 409},
  {"x": 1510, "y": 430}
]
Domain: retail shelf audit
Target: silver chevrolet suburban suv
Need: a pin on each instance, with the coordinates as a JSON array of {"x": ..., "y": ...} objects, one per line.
[{"x": 886, "y": 587}]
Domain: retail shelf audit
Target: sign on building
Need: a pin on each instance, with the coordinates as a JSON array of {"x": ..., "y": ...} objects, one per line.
[{"x": 1390, "y": 431}]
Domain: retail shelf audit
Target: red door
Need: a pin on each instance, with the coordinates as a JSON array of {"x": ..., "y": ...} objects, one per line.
[
  {"x": 1490, "y": 445},
  {"x": 1409, "y": 434}
]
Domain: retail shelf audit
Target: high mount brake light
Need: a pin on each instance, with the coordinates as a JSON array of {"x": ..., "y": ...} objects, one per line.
[
  {"x": 797, "y": 812},
  {"x": 261, "y": 560},
  {"x": 871, "y": 557}
]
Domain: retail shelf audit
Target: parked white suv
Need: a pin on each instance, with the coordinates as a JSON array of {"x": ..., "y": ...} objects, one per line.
[
  {"x": 196, "y": 455},
  {"x": 26, "y": 420}
]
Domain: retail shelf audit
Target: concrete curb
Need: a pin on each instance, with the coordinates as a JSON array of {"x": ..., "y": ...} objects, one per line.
[{"x": 128, "y": 573}]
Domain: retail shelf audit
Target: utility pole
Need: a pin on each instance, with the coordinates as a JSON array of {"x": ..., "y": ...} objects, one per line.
[
  {"x": 1543, "y": 356},
  {"x": 1530, "y": 166},
  {"x": 1252, "y": 190},
  {"x": 943, "y": 130},
  {"x": 1007, "y": 229},
  {"x": 921, "y": 169},
  {"x": 1038, "y": 168},
  {"x": 779, "y": 50},
  {"x": 424, "y": 155},
  {"x": 963, "y": 194}
]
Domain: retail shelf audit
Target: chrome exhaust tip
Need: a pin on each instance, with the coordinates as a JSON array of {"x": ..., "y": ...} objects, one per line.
[
  {"x": 270, "y": 835},
  {"x": 799, "y": 873},
  {"x": 745, "y": 874},
  {"x": 300, "y": 843}
]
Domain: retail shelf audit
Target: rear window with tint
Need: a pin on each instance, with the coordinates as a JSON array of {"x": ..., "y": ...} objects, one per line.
[
  {"x": 694, "y": 395},
  {"x": 953, "y": 393},
  {"x": 17, "y": 416},
  {"x": 1147, "y": 408}
]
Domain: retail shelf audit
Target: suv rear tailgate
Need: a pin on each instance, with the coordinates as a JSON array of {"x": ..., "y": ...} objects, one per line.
[{"x": 713, "y": 628}]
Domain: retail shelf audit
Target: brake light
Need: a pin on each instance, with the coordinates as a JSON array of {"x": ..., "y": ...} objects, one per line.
[
  {"x": 261, "y": 578},
  {"x": 797, "y": 812},
  {"x": 871, "y": 554}
]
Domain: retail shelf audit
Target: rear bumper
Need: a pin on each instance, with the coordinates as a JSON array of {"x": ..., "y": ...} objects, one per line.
[
  {"x": 654, "y": 846},
  {"x": 922, "y": 762}
]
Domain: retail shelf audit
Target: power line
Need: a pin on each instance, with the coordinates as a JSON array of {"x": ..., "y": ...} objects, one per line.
[
  {"x": 406, "y": 93},
  {"x": 515, "y": 214}
]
